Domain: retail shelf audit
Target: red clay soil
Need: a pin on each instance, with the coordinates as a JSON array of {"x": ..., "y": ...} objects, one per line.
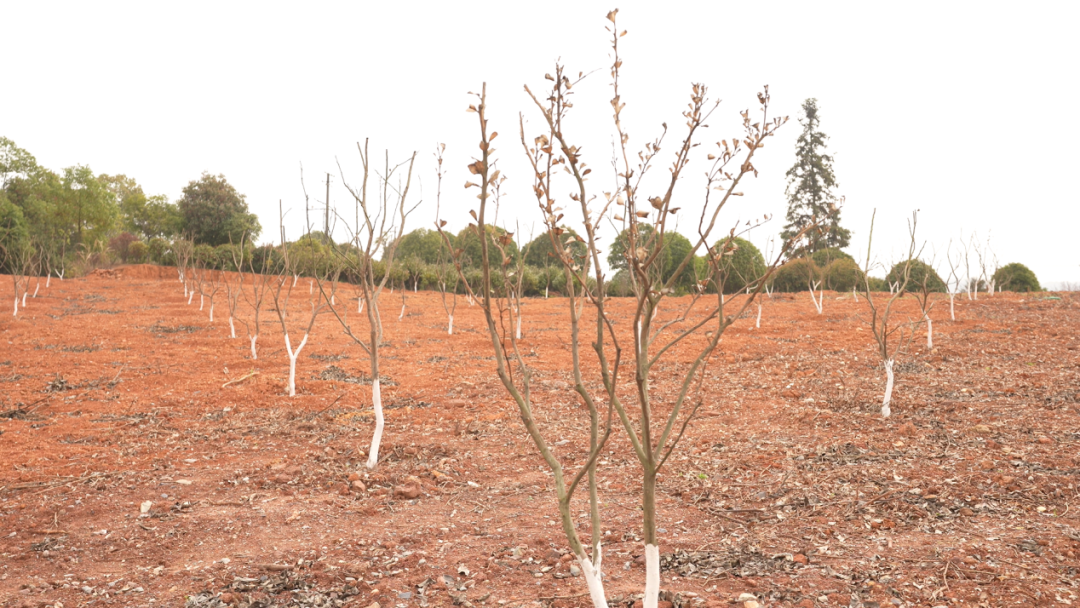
[{"x": 147, "y": 460}]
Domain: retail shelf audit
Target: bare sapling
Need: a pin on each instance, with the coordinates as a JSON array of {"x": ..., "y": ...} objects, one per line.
[
  {"x": 15, "y": 256},
  {"x": 494, "y": 299},
  {"x": 653, "y": 348},
  {"x": 377, "y": 228},
  {"x": 954, "y": 282},
  {"x": 814, "y": 283},
  {"x": 234, "y": 287},
  {"x": 261, "y": 279},
  {"x": 923, "y": 289},
  {"x": 444, "y": 271},
  {"x": 988, "y": 264},
  {"x": 281, "y": 295},
  {"x": 891, "y": 337}
]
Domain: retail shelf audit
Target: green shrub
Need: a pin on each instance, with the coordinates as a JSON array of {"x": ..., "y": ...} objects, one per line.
[
  {"x": 795, "y": 275},
  {"x": 878, "y": 284},
  {"x": 843, "y": 274},
  {"x": 824, "y": 257},
  {"x": 1016, "y": 277},
  {"x": 920, "y": 274},
  {"x": 619, "y": 286},
  {"x": 158, "y": 250},
  {"x": 138, "y": 252},
  {"x": 740, "y": 267}
]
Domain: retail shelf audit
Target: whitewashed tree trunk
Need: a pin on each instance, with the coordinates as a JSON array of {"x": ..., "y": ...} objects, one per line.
[
  {"x": 652, "y": 576},
  {"x": 952, "y": 307},
  {"x": 402, "y": 315},
  {"x": 185, "y": 290},
  {"x": 201, "y": 300},
  {"x": 545, "y": 297},
  {"x": 819, "y": 300},
  {"x": 855, "y": 294},
  {"x": 292, "y": 362},
  {"x": 593, "y": 580},
  {"x": 450, "y": 328},
  {"x": 211, "y": 311},
  {"x": 517, "y": 330},
  {"x": 232, "y": 327},
  {"x": 24, "y": 299},
  {"x": 886, "y": 411},
  {"x": 333, "y": 299},
  {"x": 61, "y": 274},
  {"x": 360, "y": 306},
  {"x": 48, "y": 278},
  {"x": 311, "y": 287},
  {"x": 376, "y": 403},
  {"x": 295, "y": 278},
  {"x": 16, "y": 313},
  {"x": 757, "y": 323},
  {"x": 37, "y": 286},
  {"x": 189, "y": 297},
  {"x": 929, "y": 332},
  {"x": 254, "y": 355}
]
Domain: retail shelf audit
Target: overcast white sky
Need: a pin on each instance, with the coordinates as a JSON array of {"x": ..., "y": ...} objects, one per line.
[{"x": 966, "y": 111}]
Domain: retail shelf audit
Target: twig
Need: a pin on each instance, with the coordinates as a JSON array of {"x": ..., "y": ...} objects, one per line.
[{"x": 240, "y": 379}]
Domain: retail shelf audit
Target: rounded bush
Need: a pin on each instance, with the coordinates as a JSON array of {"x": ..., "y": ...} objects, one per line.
[
  {"x": 1016, "y": 277},
  {"x": 920, "y": 275},
  {"x": 843, "y": 274},
  {"x": 138, "y": 252},
  {"x": 877, "y": 284},
  {"x": 795, "y": 275},
  {"x": 824, "y": 257},
  {"x": 741, "y": 263}
]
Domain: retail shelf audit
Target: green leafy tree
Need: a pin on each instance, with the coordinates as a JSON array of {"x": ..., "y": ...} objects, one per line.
[
  {"x": 1016, "y": 277},
  {"x": 214, "y": 213},
  {"x": 150, "y": 216},
  {"x": 88, "y": 210},
  {"x": 15, "y": 163},
  {"x": 423, "y": 244},
  {"x": 824, "y": 257},
  {"x": 743, "y": 266},
  {"x": 810, "y": 190},
  {"x": 676, "y": 248},
  {"x": 796, "y": 275},
  {"x": 469, "y": 242},
  {"x": 921, "y": 277}
]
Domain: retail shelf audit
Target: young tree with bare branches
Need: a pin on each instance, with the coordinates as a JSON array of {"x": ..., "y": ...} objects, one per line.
[
  {"x": 655, "y": 426},
  {"x": 891, "y": 337},
  {"x": 378, "y": 227}
]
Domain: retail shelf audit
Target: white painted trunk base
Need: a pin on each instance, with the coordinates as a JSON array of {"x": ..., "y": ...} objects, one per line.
[
  {"x": 886, "y": 411},
  {"x": 376, "y": 403},
  {"x": 211, "y": 312},
  {"x": 201, "y": 300},
  {"x": 295, "y": 278},
  {"x": 37, "y": 286},
  {"x": 24, "y": 299},
  {"x": 16, "y": 313},
  {"x": 232, "y": 327},
  {"x": 757, "y": 323},
  {"x": 254, "y": 355},
  {"x": 517, "y": 331},
  {"x": 48, "y": 278},
  {"x": 929, "y": 333},
  {"x": 292, "y": 362},
  {"x": 402, "y": 315},
  {"x": 652, "y": 576},
  {"x": 189, "y": 297},
  {"x": 594, "y": 581},
  {"x": 360, "y": 307},
  {"x": 952, "y": 307},
  {"x": 450, "y": 328}
]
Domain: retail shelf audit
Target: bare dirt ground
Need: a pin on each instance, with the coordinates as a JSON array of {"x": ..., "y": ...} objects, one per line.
[{"x": 132, "y": 475}]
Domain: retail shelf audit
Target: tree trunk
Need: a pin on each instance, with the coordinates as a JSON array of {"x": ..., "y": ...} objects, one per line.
[
  {"x": 517, "y": 331},
  {"x": 952, "y": 308},
  {"x": 402, "y": 315},
  {"x": 929, "y": 332},
  {"x": 886, "y": 411},
  {"x": 254, "y": 355},
  {"x": 450, "y": 329},
  {"x": 292, "y": 362},
  {"x": 232, "y": 327},
  {"x": 376, "y": 403},
  {"x": 190, "y": 295},
  {"x": 757, "y": 323},
  {"x": 652, "y": 552}
]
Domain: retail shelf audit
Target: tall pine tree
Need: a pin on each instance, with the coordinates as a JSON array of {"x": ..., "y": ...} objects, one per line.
[{"x": 810, "y": 190}]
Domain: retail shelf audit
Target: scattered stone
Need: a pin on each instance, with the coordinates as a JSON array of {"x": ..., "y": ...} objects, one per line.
[
  {"x": 184, "y": 482},
  {"x": 981, "y": 429},
  {"x": 144, "y": 508},
  {"x": 799, "y": 558},
  {"x": 1043, "y": 439},
  {"x": 966, "y": 512},
  {"x": 575, "y": 570},
  {"x": 407, "y": 491},
  {"x": 358, "y": 486}
]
